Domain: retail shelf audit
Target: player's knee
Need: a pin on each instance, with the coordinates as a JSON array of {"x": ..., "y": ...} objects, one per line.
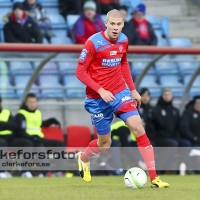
[
  {"x": 105, "y": 144},
  {"x": 137, "y": 129}
]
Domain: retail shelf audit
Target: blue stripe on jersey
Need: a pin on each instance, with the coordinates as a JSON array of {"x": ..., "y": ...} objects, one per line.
[
  {"x": 122, "y": 38},
  {"x": 100, "y": 43}
]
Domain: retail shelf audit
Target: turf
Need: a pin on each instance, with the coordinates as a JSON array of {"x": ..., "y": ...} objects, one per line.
[{"x": 101, "y": 188}]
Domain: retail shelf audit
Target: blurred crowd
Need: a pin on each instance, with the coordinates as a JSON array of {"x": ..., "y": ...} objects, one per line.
[{"x": 28, "y": 22}]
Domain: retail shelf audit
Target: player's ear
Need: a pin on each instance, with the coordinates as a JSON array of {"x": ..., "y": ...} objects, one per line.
[{"x": 105, "y": 22}]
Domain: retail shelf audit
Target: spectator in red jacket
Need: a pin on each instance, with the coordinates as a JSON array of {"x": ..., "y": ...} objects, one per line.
[
  {"x": 142, "y": 26},
  {"x": 88, "y": 23},
  {"x": 107, "y": 5}
]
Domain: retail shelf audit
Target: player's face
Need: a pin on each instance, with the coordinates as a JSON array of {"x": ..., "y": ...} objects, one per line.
[
  {"x": 167, "y": 96},
  {"x": 145, "y": 98},
  {"x": 31, "y": 103},
  {"x": 114, "y": 27},
  {"x": 197, "y": 106}
]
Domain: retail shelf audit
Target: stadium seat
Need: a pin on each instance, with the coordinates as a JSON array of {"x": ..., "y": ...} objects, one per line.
[
  {"x": 21, "y": 81},
  {"x": 195, "y": 90},
  {"x": 70, "y": 80},
  {"x": 6, "y": 89},
  {"x": 57, "y": 21},
  {"x": 45, "y": 41},
  {"x": 103, "y": 17},
  {"x": 188, "y": 67},
  {"x": 180, "y": 42},
  {"x": 161, "y": 41},
  {"x": 49, "y": 3},
  {"x": 61, "y": 40},
  {"x": 173, "y": 82},
  {"x": 49, "y": 67},
  {"x": 59, "y": 33},
  {"x": 154, "y": 21},
  {"x": 166, "y": 68},
  {"x": 50, "y": 10},
  {"x": 67, "y": 67},
  {"x": 53, "y": 133},
  {"x": 165, "y": 26},
  {"x": 138, "y": 67},
  {"x": 131, "y": 4},
  {"x": 71, "y": 19},
  {"x": 196, "y": 82},
  {"x": 78, "y": 137},
  {"x": 50, "y": 81},
  {"x": 21, "y": 67},
  {"x": 5, "y": 3},
  {"x": 149, "y": 81}
]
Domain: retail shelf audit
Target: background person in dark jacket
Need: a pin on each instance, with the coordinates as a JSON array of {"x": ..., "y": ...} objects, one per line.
[
  {"x": 128, "y": 28},
  {"x": 142, "y": 26},
  {"x": 29, "y": 122},
  {"x": 145, "y": 111},
  {"x": 166, "y": 119},
  {"x": 39, "y": 15},
  {"x": 20, "y": 28},
  {"x": 190, "y": 122}
]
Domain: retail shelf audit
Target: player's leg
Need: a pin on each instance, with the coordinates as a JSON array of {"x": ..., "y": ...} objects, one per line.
[
  {"x": 101, "y": 116},
  {"x": 146, "y": 149}
]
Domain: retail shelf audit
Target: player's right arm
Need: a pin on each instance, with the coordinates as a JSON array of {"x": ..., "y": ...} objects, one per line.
[{"x": 87, "y": 56}]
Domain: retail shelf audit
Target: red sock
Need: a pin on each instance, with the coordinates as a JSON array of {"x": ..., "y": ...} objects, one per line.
[
  {"x": 146, "y": 150},
  {"x": 92, "y": 150}
]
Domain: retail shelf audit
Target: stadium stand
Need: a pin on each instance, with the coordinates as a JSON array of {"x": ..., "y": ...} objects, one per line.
[{"x": 21, "y": 80}]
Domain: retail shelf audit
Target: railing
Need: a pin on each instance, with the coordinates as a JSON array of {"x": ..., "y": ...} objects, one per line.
[{"x": 45, "y": 48}]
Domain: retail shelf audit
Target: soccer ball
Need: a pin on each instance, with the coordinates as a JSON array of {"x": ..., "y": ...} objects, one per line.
[{"x": 135, "y": 178}]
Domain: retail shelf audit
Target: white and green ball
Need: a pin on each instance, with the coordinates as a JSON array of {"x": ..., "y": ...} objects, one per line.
[{"x": 135, "y": 178}]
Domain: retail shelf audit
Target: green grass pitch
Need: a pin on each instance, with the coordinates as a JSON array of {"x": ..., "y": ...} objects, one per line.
[{"x": 101, "y": 188}]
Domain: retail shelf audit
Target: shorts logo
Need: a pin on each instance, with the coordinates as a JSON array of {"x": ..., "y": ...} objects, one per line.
[
  {"x": 111, "y": 62},
  {"x": 113, "y": 53},
  {"x": 97, "y": 115},
  {"x": 83, "y": 55},
  {"x": 126, "y": 98}
]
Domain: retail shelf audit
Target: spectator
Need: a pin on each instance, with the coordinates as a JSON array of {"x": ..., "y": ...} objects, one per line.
[
  {"x": 20, "y": 28},
  {"x": 128, "y": 28},
  {"x": 7, "y": 137},
  {"x": 164, "y": 114},
  {"x": 39, "y": 15},
  {"x": 166, "y": 120},
  {"x": 190, "y": 122},
  {"x": 142, "y": 26},
  {"x": 88, "y": 23},
  {"x": 107, "y": 5},
  {"x": 29, "y": 123},
  {"x": 145, "y": 111}
]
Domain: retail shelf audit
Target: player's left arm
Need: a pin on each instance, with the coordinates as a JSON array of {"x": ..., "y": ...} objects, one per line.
[{"x": 126, "y": 73}]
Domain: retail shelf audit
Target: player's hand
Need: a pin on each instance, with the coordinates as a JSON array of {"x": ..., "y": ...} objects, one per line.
[
  {"x": 136, "y": 97},
  {"x": 106, "y": 95}
]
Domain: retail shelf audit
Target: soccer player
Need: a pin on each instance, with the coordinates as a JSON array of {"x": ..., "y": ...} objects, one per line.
[{"x": 104, "y": 69}]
